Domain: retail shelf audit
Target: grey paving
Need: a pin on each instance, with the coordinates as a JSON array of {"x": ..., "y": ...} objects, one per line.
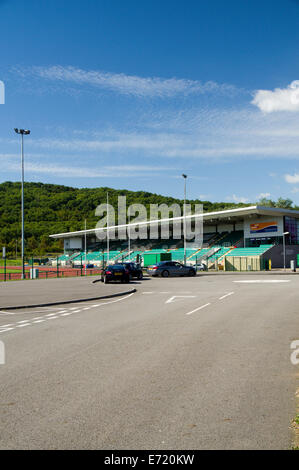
[
  {"x": 139, "y": 373},
  {"x": 15, "y": 294}
]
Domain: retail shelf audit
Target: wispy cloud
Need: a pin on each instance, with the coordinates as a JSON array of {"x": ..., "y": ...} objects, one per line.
[
  {"x": 116, "y": 171},
  {"x": 281, "y": 99},
  {"x": 218, "y": 134},
  {"x": 133, "y": 85},
  {"x": 170, "y": 146}
]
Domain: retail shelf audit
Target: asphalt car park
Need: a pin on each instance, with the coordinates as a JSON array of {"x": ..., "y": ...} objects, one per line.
[{"x": 203, "y": 361}]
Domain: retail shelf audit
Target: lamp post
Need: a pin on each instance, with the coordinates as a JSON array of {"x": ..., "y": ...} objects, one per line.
[
  {"x": 284, "y": 249},
  {"x": 185, "y": 243},
  {"x": 85, "y": 249},
  {"x": 22, "y": 132},
  {"x": 108, "y": 239},
  {"x": 129, "y": 242}
]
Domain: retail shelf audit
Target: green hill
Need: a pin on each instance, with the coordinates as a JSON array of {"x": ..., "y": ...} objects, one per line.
[{"x": 51, "y": 208}]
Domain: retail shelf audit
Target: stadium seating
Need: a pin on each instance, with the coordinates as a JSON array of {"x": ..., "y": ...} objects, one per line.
[
  {"x": 254, "y": 251},
  {"x": 216, "y": 256},
  {"x": 215, "y": 247}
]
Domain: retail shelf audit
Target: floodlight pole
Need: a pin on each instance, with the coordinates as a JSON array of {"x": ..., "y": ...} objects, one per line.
[
  {"x": 185, "y": 243},
  {"x": 22, "y": 132},
  {"x": 23, "y": 225}
]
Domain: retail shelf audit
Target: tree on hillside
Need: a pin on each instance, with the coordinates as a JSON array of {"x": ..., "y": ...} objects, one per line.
[
  {"x": 284, "y": 203},
  {"x": 281, "y": 203}
]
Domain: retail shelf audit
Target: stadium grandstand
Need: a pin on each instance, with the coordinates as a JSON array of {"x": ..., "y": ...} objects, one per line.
[{"x": 236, "y": 239}]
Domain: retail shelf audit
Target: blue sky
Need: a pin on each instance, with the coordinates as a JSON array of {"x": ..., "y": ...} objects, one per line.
[{"x": 130, "y": 94}]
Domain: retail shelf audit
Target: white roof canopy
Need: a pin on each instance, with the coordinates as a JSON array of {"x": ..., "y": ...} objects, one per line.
[{"x": 209, "y": 218}]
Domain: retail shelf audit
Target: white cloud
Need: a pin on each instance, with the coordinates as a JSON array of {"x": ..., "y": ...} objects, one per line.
[
  {"x": 235, "y": 198},
  {"x": 292, "y": 179},
  {"x": 263, "y": 195},
  {"x": 281, "y": 99},
  {"x": 126, "y": 84}
]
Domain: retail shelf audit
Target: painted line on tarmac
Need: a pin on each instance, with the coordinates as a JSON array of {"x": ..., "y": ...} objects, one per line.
[
  {"x": 261, "y": 281},
  {"x": 199, "y": 308},
  {"x": 226, "y": 295},
  {"x": 179, "y": 297},
  {"x": 54, "y": 316},
  {"x": 166, "y": 292}
]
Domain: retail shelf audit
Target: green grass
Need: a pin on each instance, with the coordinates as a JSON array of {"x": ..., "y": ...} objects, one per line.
[
  {"x": 10, "y": 271},
  {"x": 11, "y": 262}
]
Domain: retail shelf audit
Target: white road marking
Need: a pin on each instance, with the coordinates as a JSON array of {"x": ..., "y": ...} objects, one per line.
[
  {"x": 165, "y": 292},
  {"x": 2, "y": 312},
  {"x": 199, "y": 308},
  {"x": 260, "y": 281},
  {"x": 53, "y": 316},
  {"x": 226, "y": 295},
  {"x": 174, "y": 297}
]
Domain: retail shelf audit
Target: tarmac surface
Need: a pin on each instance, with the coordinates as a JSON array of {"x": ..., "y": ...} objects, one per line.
[
  {"x": 191, "y": 363},
  {"x": 16, "y": 294}
]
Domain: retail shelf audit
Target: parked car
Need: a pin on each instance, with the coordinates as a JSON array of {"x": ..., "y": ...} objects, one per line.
[
  {"x": 134, "y": 269},
  {"x": 89, "y": 266},
  {"x": 170, "y": 268},
  {"x": 201, "y": 267},
  {"x": 116, "y": 272}
]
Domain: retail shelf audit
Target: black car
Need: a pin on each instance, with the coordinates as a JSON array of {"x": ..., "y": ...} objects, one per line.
[
  {"x": 134, "y": 269},
  {"x": 170, "y": 268},
  {"x": 116, "y": 272}
]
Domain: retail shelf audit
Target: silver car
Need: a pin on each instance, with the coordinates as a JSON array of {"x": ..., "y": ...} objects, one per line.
[{"x": 170, "y": 268}]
